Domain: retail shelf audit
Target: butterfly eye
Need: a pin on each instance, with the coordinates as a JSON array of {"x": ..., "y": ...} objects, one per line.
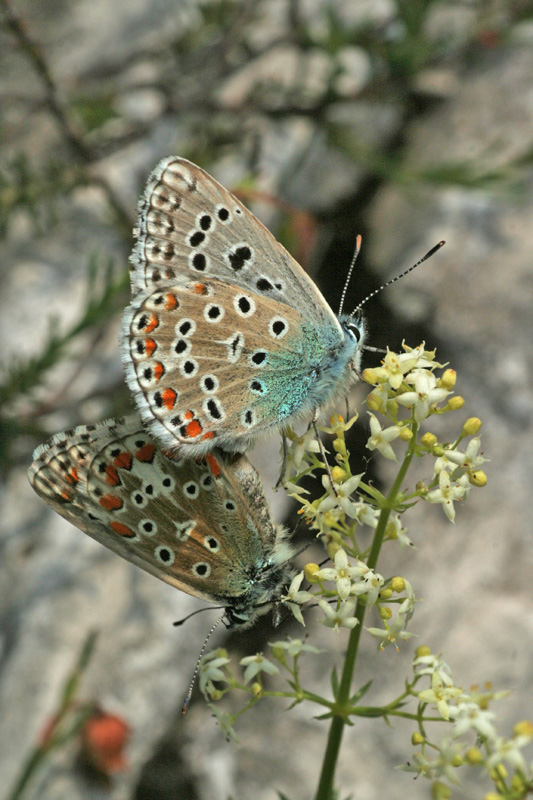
[{"x": 355, "y": 330}]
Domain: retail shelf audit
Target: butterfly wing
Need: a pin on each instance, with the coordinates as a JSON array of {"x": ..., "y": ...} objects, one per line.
[
  {"x": 200, "y": 527},
  {"x": 212, "y": 364},
  {"x": 190, "y": 224}
]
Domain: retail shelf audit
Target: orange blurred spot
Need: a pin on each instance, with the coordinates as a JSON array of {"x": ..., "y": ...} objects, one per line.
[
  {"x": 199, "y": 288},
  {"x": 104, "y": 738},
  {"x": 110, "y": 502},
  {"x": 209, "y": 435},
  {"x": 214, "y": 466},
  {"x": 145, "y": 453},
  {"x": 169, "y": 398},
  {"x": 121, "y": 529},
  {"x": 188, "y": 415},
  {"x": 193, "y": 429}
]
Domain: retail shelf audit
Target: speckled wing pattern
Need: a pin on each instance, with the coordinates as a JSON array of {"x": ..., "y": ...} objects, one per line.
[
  {"x": 202, "y": 526},
  {"x": 226, "y": 334}
]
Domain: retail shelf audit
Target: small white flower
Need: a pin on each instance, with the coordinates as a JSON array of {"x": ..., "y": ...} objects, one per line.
[
  {"x": 366, "y": 514},
  {"x": 508, "y": 750},
  {"x": 210, "y": 671},
  {"x": 427, "y": 665},
  {"x": 380, "y": 438},
  {"x": 342, "y": 574},
  {"x": 447, "y": 494},
  {"x": 369, "y": 585},
  {"x": 441, "y": 692},
  {"x": 425, "y": 393},
  {"x": 294, "y": 597},
  {"x": 295, "y": 646},
  {"x": 395, "y": 530},
  {"x": 256, "y": 664},
  {"x": 299, "y": 447},
  {"x": 341, "y": 617},
  {"x": 469, "y": 716},
  {"x": 342, "y": 499},
  {"x": 225, "y": 722}
]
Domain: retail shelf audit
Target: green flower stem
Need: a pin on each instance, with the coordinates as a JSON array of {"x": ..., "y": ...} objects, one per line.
[{"x": 329, "y": 764}]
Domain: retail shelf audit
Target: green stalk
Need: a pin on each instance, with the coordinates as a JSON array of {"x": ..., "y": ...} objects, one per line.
[{"x": 331, "y": 755}]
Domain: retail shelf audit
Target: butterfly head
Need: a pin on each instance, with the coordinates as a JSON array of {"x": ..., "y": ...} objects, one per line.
[
  {"x": 267, "y": 580},
  {"x": 355, "y": 332}
]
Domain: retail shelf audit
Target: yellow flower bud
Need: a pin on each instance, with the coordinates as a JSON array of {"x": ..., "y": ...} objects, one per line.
[
  {"x": 478, "y": 478},
  {"x": 386, "y": 593},
  {"x": 428, "y": 440},
  {"x": 309, "y": 572},
  {"x": 472, "y": 426},
  {"x": 392, "y": 408},
  {"x": 257, "y": 689},
  {"x": 333, "y": 548},
  {"x": 423, "y": 650},
  {"x": 397, "y": 585},
  {"x": 492, "y": 796},
  {"x": 385, "y": 612},
  {"x": 339, "y": 445},
  {"x": 417, "y": 738},
  {"x": 214, "y": 694},
  {"x": 455, "y": 403},
  {"x": 439, "y": 791},
  {"x": 457, "y": 761},
  {"x": 474, "y": 756},
  {"x": 517, "y": 783},
  {"x": 279, "y": 653},
  {"x": 375, "y": 402},
  {"x": 339, "y": 474},
  {"x": 523, "y": 728},
  {"x": 449, "y": 377},
  {"x": 406, "y": 434}
]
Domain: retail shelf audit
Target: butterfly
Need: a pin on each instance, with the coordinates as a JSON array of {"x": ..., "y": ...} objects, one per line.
[
  {"x": 226, "y": 337},
  {"x": 202, "y": 526}
]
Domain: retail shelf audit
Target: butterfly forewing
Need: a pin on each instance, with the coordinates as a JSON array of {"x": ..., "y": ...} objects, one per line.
[
  {"x": 189, "y": 223},
  {"x": 192, "y": 524}
]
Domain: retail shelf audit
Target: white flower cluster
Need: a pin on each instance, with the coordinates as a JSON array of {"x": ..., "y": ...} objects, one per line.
[{"x": 468, "y": 713}]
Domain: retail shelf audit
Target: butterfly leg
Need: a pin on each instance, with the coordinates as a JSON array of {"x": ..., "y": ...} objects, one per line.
[
  {"x": 323, "y": 454},
  {"x": 284, "y": 459}
]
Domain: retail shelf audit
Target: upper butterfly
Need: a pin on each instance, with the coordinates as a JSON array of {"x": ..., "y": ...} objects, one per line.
[{"x": 226, "y": 337}]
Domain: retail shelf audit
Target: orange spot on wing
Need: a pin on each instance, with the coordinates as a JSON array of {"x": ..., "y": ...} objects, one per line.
[
  {"x": 150, "y": 346},
  {"x": 169, "y": 398},
  {"x": 110, "y": 502},
  {"x": 72, "y": 475},
  {"x": 146, "y": 453},
  {"x": 152, "y": 324},
  {"x": 159, "y": 370},
  {"x": 171, "y": 302},
  {"x": 123, "y": 460},
  {"x": 193, "y": 429},
  {"x": 188, "y": 415},
  {"x": 112, "y": 476},
  {"x": 209, "y": 435},
  {"x": 199, "y": 288},
  {"x": 66, "y": 496},
  {"x": 121, "y": 529},
  {"x": 214, "y": 466}
]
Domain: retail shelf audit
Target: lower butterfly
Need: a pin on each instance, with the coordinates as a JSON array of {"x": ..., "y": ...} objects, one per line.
[{"x": 202, "y": 526}]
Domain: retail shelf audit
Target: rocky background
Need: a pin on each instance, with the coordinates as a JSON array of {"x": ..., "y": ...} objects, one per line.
[{"x": 408, "y": 122}]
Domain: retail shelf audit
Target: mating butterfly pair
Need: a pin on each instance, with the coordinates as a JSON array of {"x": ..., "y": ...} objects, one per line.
[{"x": 226, "y": 338}]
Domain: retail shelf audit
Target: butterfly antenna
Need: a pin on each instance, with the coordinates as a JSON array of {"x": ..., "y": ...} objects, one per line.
[
  {"x": 397, "y": 278},
  {"x": 358, "y": 241},
  {"x": 193, "y": 613},
  {"x": 187, "y": 701}
]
